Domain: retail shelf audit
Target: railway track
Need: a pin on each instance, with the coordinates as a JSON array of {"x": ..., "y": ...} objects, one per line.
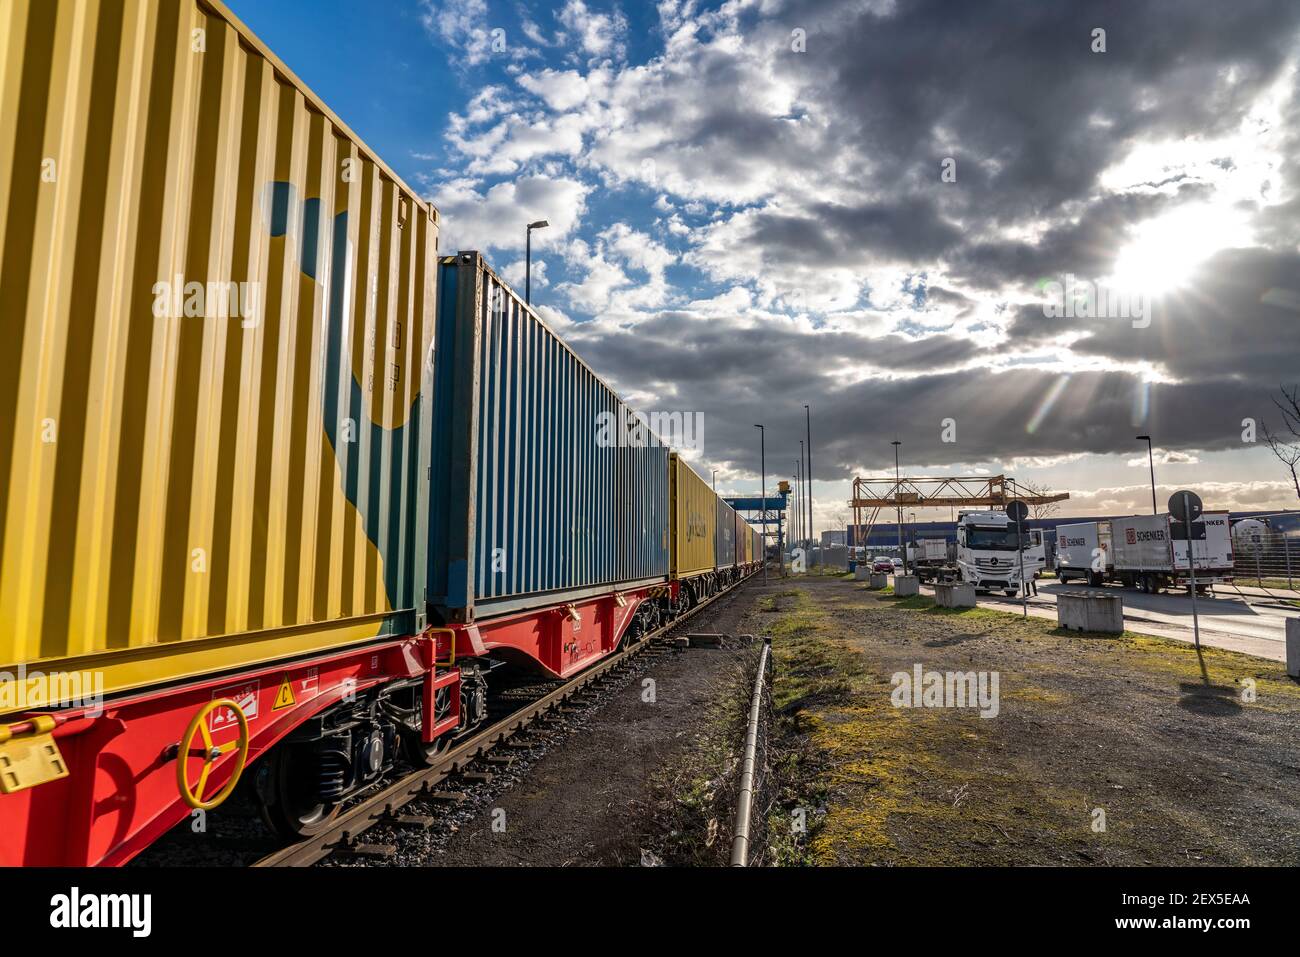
[{"x": 385, "y": 807}]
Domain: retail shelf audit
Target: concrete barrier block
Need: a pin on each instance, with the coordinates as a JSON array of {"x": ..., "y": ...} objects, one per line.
[
  {"x": 907, "y": 585},
  {"x": 878, "y": 580},
  {"x": 1293, "y": 647},
  {"x": 954, "y": 595},
  {"x": 1090, "y": 611},
  {"x": 862, "y": 573}
]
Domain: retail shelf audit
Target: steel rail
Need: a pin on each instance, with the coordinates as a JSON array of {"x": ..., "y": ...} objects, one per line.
[
  {"x": 740, "y": 830},
  {"x": 382, "y": 807}
]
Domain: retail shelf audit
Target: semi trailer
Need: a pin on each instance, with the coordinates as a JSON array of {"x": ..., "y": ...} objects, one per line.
[
  {"x": 1082, "y": 552},
  {"x": 1147, "y": 552}
]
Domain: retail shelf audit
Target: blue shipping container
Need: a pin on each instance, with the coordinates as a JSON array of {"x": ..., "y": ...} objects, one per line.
[
  {"x": 726, "y": 532},
  {"x": 531, "y": 502}
]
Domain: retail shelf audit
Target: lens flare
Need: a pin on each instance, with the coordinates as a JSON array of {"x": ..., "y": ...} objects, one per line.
[
  {"x": 1141, "y": 402},
  {"x": 1046, "y": 403}
]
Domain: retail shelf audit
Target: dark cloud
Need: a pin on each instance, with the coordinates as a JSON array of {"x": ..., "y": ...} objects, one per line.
[
  {"x": 735, "y": 385},
  {"x": 1014, "y": 93},
  {"x": 1011, "y": 88},
  {"x": 909, "y": 229},
  {"x": 695, "y": 356},
  {"x": 1238, "y": 319},
  {"x": 1084, "y": 248}
]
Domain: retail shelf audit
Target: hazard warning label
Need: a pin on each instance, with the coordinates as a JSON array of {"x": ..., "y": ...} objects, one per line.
[
  {"x": 245, "y": 696},
  {"x": 284, "y": 697},
  {"x": 295, "y": 692}
]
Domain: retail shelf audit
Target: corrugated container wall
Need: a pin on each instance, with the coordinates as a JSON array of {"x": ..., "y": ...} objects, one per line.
[
  {"x": 536, "y": 497},
  {"x": 212, "y": 302},
  {"x": 726, "y": 535},
  {"x": 694, "y": 520}
]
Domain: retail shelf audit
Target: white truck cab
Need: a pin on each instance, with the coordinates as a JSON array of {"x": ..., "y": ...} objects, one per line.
[{"x": 987, "y": 552}]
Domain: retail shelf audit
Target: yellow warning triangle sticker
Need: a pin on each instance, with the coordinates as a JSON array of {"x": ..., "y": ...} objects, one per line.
[{"x": 284, "y": 697}]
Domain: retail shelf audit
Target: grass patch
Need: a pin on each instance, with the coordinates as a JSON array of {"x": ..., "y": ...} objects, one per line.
[
  {"x": 1279, "y": 583},
  {"x": 695, "y": 799},
  {"x": 1150, "y": 653},
  {"x": 886, "y": 785}
]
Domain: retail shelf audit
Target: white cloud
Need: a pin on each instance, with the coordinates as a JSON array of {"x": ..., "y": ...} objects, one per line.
[
  {"x": 1164, "y": 457},
  {"x": 562, "y": 90},
  {"x": 554, "y": 318},
  {"x": 517, "y": 140},
  {"x": 514, "y": 273},
  {"x": 608, "y": 288},
  {"x": 599, "y": 34},
  {"x": 495, "y": 219},
  {"x": 462, "y": 25}
]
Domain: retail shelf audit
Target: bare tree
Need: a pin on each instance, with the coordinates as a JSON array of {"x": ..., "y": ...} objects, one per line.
[
  {"x": 1287, "y": 449},
  {"x": 1045, "y": 509}
]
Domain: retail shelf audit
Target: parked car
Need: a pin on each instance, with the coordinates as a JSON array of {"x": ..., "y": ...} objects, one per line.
[
  {"x": 883, "y": 565},
  {"x": 897, "y": 563}
]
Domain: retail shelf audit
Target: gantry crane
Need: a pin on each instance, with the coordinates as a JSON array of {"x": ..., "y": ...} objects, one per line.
[{"x": 945, "y": 491}]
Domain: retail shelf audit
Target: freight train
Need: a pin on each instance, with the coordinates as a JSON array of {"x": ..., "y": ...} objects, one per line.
[{"x": 281, "y": 484}]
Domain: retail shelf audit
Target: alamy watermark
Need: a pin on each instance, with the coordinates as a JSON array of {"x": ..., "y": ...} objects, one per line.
[
  {"x": 1076, "y": 298},
  {"x": 75, "y": 910},
  {"x": 27, "y": 690},
  {"x": 919, "y": 688},
  {"x": 627, "y": 429},
  {"x": 178, "y": 299}
]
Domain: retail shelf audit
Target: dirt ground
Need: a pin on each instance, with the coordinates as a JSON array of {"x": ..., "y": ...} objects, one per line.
[
  {"x": 609, "y": 793},
  {"x": 1105, "y": 750}
]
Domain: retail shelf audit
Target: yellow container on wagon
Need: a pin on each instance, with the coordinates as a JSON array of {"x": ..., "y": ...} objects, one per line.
[
  {"x": 214, "y": 302},
  {"x": 694, "y": 520}
]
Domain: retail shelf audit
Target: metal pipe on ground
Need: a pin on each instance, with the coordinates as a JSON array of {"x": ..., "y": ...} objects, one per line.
[{"x": 740, "y": 831}]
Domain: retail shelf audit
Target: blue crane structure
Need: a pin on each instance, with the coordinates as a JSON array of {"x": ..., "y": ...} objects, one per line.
[{"x": 770, "y": 511}]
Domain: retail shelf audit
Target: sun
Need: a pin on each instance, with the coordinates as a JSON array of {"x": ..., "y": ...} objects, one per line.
[{"x": 1166, "y": 251}]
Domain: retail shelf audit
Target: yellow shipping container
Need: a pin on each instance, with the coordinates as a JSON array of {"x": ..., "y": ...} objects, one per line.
[
  {"x": 214, "y": 302},
  {"x": 695, "y": 518}
]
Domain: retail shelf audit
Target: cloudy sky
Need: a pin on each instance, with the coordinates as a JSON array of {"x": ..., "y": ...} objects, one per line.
[{"x": 880, "y": 208}]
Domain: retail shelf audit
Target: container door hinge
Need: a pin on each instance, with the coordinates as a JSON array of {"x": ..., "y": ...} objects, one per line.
[{"x": 30, "y": 758}]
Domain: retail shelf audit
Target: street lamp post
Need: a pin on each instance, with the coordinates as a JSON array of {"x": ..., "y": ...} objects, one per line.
[
  {"x": 807, "y": 475},
  {"x": 796, "y": 508},
  {"x": 1152, "y": 462},
  {"x": 762, "y": 467},
  {"x": 528, "y": 259},
  {"x": 796, "y": 514},
  {"x": 898, "y": 501},
  {"x": 802, "y": 501}
]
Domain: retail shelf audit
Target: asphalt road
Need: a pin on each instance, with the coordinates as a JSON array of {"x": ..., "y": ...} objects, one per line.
[{"x": 1226, "y": 621}]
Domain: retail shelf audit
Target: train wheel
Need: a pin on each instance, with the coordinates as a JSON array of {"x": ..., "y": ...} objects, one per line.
[
  {"x": 635, "y": 629},
  {"x": 288, "y": 797},
  {"x": 421, "y": 753}
]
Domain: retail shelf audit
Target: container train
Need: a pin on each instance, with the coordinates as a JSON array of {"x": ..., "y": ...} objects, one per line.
[{"x": 281, "y": 484}]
